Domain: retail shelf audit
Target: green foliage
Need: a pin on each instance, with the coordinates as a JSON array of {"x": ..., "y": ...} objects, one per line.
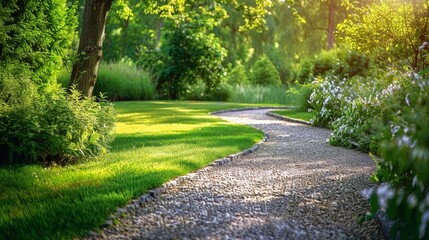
[
  {"x": 387, "y": 30},
  {"x": 326, "y": 100},
  {"x": 237, "y": 76},
  {"x": 305, "y": 72},
  {"x": 299, "y": 96},
  {"x": 264, "y": 73},
  {"x": 388, "y": 116},
  {"x": 49, "y": 127},
  {"x": 198, "y": 91},
  {"x": 343, "y": 64},
  {"x": 37, "y": 35},
  {"x": 358, "y": 110},
  {"x": 405, "y": 166},
  {"x": 189, "y": 53},
  {"x": 154, "y": 143},
  {"x": 121, "y": 81}
]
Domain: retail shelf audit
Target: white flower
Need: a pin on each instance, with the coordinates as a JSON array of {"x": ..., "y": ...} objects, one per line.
[
  {"x": 385, "y": 192},
  {"x": 423, "y": 224},
  {"x": 366, "y": 193},
  {"x": 412, "y": 200}
]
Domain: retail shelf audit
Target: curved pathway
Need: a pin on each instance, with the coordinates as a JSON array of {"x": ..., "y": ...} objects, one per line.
[{"x": 296, "y": 186}]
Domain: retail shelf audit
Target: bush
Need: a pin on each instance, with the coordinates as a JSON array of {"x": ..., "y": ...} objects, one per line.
[
  {"x": 389, "y": 116},
  {"x": 51, "y": 127},
  {"x": 265, "y": 73},
  {"x": 305, "y": 72},
  {"x": 189, "y": 53},
  {"x": 238, "y": 76},
  {"x": 327, "y": 100},
  {"x": 343, "y": 64},
  {"x": 199, "y": 91},
  {"x": 405, "y": 168},
  {"x": 328, "y": 62},
  {"x": 299, "y": 95}
]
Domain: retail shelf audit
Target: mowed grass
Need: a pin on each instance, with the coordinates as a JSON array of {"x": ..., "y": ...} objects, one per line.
[
  {"x": 155, "y": 142},
  {"x": 296, "y": 114}
]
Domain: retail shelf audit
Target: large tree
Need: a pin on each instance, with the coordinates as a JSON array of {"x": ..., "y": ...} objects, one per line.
[
  {"x": 90, "y": 50},
  {"x": 84, "y": 73}
]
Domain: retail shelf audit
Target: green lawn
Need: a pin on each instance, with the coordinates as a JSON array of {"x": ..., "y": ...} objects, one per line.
[
  {"x": 296, "y": 114},
  {"x": 155, "y": 142}
]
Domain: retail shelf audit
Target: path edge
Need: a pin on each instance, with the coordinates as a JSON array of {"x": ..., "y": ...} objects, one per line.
[{"x": 153, "y": 194}]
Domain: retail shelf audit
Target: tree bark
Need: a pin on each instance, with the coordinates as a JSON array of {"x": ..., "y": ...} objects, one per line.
[
  {"x": 331, "y": 23},
  {"x": 84, "y": 73}
]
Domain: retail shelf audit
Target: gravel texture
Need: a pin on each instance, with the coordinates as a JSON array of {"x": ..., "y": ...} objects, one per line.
[{"x": 295, "y": 186}]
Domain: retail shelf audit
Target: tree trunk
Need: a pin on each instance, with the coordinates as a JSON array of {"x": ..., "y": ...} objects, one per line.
[
  {"x": 331, "y": 23},
  {"x": 84, "y": 73}
]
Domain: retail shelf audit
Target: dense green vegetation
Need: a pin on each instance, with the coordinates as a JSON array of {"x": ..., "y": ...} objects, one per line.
[
  {"x": 381, "y": 107},
  {"x": 155, "y": 142},
  {"x": 361, "y": 66}
]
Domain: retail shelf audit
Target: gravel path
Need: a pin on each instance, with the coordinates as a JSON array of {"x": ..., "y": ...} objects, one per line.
[{"x": 295, "y": 186}]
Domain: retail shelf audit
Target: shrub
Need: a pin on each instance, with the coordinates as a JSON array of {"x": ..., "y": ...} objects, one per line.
[
  {"x": 189, "y": 53},
  {"x": 328, "y": 62},
  {"x": 327, "y": 100},
  {"x": 305, "y": 72},
  {"x": 50, "y": 126},
  {"x": 199, "y": 91},
  {"x": 405, "y": 167},
  {"x": 366, "y": 115},
  {"x": 299, "y": 95},
  {"x": 264, "y": 73},
  {"x": 343, "y": 64},
  {"x": 237, "y": 76}
]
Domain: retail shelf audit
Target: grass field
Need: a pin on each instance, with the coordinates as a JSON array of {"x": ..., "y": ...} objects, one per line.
[
  {"x": 296, "y": 114},
  {"x": 155, "y": 142}
]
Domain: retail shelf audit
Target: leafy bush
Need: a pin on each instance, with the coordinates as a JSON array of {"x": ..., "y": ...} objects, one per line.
[
  {"x": 264, "y": 73},
  {"x": 328, "y": 62},
  {"x": 50, "y": 126},
  {"x": 405, "y": 166},
  {"x": 389, "y": 116},
  {"x": 237, "y": 76},
  {"x": 359, "y": 110},
  {"x": 326, "y": 100},
  {"x": 299, "y": 95},
  {"x": 305, "y": 72},
  {"x": 199, "y": 91},
  {"x": 368, "y": 114},
  {"x": 343, "y": 64},
  {"x": 189, "y": 53}
]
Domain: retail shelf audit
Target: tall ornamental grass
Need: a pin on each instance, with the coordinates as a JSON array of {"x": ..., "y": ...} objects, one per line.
[
  {"x": 119, "y": 82},
  {"x": 293, "y": 96}
]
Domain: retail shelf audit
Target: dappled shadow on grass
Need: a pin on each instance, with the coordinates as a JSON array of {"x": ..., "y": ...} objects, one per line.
[
  {"x": 215, "y": 135},
  {"x": 63, "y": 210}
]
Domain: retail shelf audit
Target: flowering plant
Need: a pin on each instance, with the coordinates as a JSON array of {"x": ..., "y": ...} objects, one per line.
[{"x": 406, "y": 157}]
